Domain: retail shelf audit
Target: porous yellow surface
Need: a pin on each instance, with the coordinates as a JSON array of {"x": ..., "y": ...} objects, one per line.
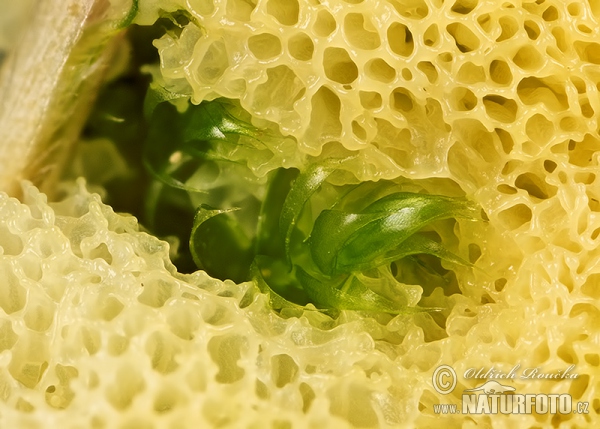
[
  {"x": 99, "y": 331},
  {"x": 498, "y": 100}
]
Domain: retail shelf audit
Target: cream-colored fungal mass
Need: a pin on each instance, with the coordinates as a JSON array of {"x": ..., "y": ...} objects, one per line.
[
  {"x": 496, "y": 100},
  {"x": 99, "y": 331}
]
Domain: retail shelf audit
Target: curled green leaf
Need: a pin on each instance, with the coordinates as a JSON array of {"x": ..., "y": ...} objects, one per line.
[
  {"x": 303, "y": 188},
  {"x": 349, "y": 293},
  {"x": 157, "y": 94},
  {"x": 343, "y": 242},
  {"x": 260, "y": 269},
  {"x": 129, "y": 17},
  {"x": 161, "y": 157},
  {"x": 268, "y": 236},
  {"x": 219, "y": 245},
  {"x": 212, "y": 121},
  {"x": 178, "y": 142}
]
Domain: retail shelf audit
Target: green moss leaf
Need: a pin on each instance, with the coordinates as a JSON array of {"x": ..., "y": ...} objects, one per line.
[
  {"x": 303, "y": 188},
  {"x": 269, "y": 240},
  {"x": 157, "y": 94},
  {"x": 268, "y": 275},
  {"x": 343, "y": 242},
  {"x": 219, "y": 246},
  {"x": 212, "y": 121},
  {"x": 178, "y": 142},
  {"x": 130, "y": 16},
  {"x": 349, "y": 293}
]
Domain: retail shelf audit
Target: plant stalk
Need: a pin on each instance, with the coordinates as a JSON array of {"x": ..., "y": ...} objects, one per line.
[{"x": 48, "y": 85}]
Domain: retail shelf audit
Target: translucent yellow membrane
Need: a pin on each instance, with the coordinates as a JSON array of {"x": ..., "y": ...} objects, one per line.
[
  {"x": 99, "y": 331},
  {"x": 499, "y": 99}
]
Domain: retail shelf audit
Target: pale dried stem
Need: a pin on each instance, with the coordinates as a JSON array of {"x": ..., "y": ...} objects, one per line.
[{"x": 47, "y": 87}]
